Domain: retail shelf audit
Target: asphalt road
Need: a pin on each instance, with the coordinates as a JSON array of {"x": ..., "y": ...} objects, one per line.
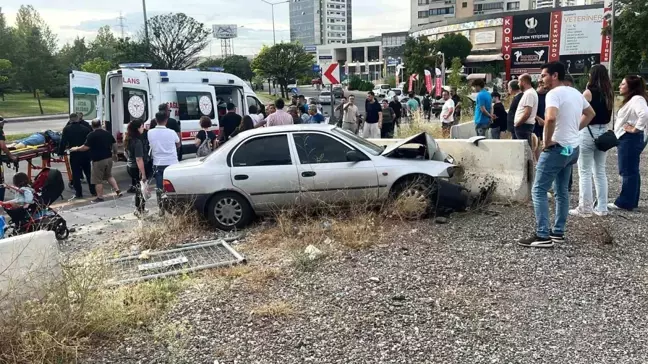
[{"x": 34, "y": 126}]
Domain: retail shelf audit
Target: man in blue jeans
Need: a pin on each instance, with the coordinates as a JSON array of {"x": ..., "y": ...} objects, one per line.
[
  {"x": 483, "y": 107},
  {"x": 163, "y": 143},
  {"x": 567, "y": 112}
]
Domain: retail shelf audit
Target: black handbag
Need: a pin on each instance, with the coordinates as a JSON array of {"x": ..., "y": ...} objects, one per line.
[{"x": 606, "y": 141}]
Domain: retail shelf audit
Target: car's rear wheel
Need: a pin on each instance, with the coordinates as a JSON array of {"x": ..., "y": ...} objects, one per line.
[{"x": 229, "y": 210}]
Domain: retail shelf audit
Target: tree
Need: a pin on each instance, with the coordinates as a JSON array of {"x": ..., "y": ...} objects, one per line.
[
  {"x": 104, "y": 45},
  {"x": 455, "y": 73},
  {"x": 128, "y": 50},
  {"x": 99, "y": 66},
  {"x": 5, "y": 68},
  {"x": 419, "y": 56},
  {"x": 72, "y": 56},
  {"x": 239, "y": 66},
  {"x": 630, "y": 36},
  {"x": 176, "y": 40},
  {"x": 283, "y": 62},
  {"x": 454, "y": 45}
]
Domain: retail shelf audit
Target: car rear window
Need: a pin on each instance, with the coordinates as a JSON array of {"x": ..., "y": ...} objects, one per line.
[{"x": 325, "y": 93}]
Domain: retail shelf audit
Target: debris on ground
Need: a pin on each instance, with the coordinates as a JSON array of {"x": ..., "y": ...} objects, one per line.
[{"x": 312, "y": 252}]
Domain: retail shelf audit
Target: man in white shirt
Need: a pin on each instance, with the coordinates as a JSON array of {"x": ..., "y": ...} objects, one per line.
[
  {"x": 447, "y": 114},
  {"x": 527, "y": 110},
  {"x": 163, "y": 143},
  {"x": 350, "y": 121},
  {"x": 566, "y": 114}
]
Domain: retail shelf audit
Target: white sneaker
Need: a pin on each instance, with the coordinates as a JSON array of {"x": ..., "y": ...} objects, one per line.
[
  {"x": 600, "y": 213},
  {"x": 614, "y": 207},
  {"x": 578, "y": 213}
]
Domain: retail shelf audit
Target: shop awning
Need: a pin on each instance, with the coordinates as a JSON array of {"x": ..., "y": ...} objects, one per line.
[
  {"x": 476, "y": 76},
  {"x": 85, "y": 91},
  {"x": 484, "y": 58}
]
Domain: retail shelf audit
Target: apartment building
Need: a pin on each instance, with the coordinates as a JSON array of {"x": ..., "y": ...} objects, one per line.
[
  {"x": 316, "y": 22},
  {"x": 428, "y": 12},
  {"x": 542, "y": 4}
]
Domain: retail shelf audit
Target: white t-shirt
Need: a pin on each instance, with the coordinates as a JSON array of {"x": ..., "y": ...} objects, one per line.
[
  {"x": 256, "y": 118},
  {"x": 163, "y": 146},
  {"x": 529, "y": 98},
  {"x": 445, "y": 110},
  {"x": 351, "y": 114},
  {"x": 570, "y": 104}
]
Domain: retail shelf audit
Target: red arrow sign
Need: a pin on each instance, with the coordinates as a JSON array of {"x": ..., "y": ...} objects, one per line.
[{"x": 332, "y": 74}]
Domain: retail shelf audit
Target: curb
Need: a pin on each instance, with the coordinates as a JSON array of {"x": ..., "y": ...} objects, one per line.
[{"x": 35, "y": 118}]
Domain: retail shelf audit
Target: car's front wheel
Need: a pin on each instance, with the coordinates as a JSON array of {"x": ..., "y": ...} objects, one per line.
[
  {"x": 413, "y": 198},
  {"x": 229, "y": 211}
]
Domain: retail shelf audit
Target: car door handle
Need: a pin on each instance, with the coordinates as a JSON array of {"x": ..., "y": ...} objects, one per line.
[
  {"x": 241, "y": 177},
  {"x": 308, "y": 174}
]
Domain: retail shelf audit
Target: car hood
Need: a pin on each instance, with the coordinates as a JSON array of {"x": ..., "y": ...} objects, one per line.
[{"x": 425, "y": 139}]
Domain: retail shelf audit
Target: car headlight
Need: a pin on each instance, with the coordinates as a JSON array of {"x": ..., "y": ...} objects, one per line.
[{"x": 450, "y": 159}]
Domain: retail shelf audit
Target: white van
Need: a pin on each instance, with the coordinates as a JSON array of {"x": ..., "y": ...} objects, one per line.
[{"x": 136, "y": 93}]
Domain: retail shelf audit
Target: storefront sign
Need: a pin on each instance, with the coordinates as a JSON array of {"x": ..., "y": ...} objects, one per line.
[
  {"x": 507, "y": 42},
  {"x": 554, "y": 38},
  {"x": 484, "y": 37},
  {"x": 581, "y": 32},
  {"x": 528, "y": 60},
  {"x": 531, "y": 28}
]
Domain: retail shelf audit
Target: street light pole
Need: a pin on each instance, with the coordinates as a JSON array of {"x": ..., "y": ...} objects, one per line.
[
  {"x": 146, "y": 34},
  {"x": 272, "y": 5}
]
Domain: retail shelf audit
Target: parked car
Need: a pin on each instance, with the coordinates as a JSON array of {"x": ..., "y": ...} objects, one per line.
[
  {"x": 262, "y": 170},
  {"x": 338, "y": 91},
  {"x": 316, "y": 81},
  {"x": 381, "y": 90},
  {"x": 395, "y": 92},
  {"x": 325, "y": 97}
]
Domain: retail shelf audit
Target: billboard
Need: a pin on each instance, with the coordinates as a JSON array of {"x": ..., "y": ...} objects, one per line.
[
  {"x": 531, "y": 28},
  {"x": 581, "y": 32},
  {"x": 224, "y": 31},
  {"x": 572, "y": 37},
  {"x": 484, "y": 37}
]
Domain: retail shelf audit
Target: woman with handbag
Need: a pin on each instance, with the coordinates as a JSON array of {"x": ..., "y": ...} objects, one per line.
[
  {"x": 591, "y": 161},
  {"x": 629, "y": 127}
]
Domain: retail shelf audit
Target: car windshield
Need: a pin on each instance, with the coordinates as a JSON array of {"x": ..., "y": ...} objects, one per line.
[
  {"x": 364, "y": 144},
  {"x": 397, "y": 92},
  {"x": 325, "y": 93}
]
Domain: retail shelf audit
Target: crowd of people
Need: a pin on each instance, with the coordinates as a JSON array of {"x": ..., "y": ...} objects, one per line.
[{"x": 565, "y": 127}]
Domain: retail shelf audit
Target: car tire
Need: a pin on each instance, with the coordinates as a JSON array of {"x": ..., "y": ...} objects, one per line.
[
  {"x": 229, "y": 211},
  {"x": 420, "y": 188}
]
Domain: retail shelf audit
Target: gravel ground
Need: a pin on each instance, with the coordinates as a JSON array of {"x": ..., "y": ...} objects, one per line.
[{"x": 463, "y": 292}]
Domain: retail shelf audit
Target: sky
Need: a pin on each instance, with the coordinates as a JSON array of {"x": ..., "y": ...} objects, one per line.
[{"x": 72, "y": 18}]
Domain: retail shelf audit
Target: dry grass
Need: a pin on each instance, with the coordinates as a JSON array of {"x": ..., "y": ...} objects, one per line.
[
  {"x": 417, "y": 124},
  {"x": 77, "y": 311},
  {"x": 274, "y": 309},
  {"x": 183, "y": 225}
]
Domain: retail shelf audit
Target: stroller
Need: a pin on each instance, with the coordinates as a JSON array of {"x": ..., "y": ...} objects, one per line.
[{"x": 48, "y": 186}]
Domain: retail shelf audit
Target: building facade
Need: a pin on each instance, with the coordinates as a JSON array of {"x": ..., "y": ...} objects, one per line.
[
  {"x": 439, "y": 12},
  {"x": 543, "y": 4},
  {"x": 317, "y": 22}
]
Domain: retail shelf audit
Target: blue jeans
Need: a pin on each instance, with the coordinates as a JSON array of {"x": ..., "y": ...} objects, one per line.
[
  {"x": 592, "y": 163},
  {"x": 495, "y": 133},
  {"x": 158, "y": 173},
  {"x": 481, "y": 129},
  {"x": 553, "y": 168},
  {"x": 629, "y": 153}
]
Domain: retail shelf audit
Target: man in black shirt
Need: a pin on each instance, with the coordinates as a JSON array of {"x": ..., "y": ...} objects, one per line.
[
  {"x": 74, "y": 135},
  {"x": 103, "y": 151},
  {"x": 373, "y": 119},
  {"x": 457, "y": 101},
  {"x": 514, "y": 92},
  {"x": 172, "y": 124},
  {"x": 229, "y": 122},
  {"x": 398, "y": 109},
  {"x": 501, "y": 118},
  {"x": 3, "y": 147}
]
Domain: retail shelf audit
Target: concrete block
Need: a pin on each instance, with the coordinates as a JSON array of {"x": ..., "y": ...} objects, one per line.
[
  {"x": 465, "y": 131},
  {"x": 27, "y": 263},
  {"x": 507, "y": 163}
]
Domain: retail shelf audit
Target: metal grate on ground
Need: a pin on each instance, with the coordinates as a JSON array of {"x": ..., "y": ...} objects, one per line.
[{"x": 187, "y": 259}]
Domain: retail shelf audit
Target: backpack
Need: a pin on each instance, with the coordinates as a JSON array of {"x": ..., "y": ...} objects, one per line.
[{"x": 205, "y": 147}]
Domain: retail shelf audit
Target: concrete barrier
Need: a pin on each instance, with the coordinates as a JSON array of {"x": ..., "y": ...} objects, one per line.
[
  {"x": 465, "y": 131},
  {"x": 507, "y": 163},
  {"x": 27, "y": 263}
]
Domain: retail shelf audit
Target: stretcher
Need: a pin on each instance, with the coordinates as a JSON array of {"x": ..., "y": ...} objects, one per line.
[{"x": 28, "y": 153}]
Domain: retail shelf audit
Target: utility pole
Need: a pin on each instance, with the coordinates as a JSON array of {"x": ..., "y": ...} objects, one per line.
[
  {"x": 146, "y": 33},
  {"x": 121, "y": 24},
  {"x": 272, "y": 5}
]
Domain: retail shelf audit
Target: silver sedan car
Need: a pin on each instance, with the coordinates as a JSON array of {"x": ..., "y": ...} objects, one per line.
[{"x": 265, "y": 170}]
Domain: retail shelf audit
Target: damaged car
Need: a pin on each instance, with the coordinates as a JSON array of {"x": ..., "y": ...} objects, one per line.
[{"x": 264, "y": 170}]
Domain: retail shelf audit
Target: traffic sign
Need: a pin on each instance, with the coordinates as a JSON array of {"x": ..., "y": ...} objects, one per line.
[
  {"x": 331, "y": 75},
  {"x": 316, "y": 68}
]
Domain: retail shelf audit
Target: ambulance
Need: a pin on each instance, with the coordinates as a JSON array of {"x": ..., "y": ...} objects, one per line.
[{"x": 135, "y": 92}]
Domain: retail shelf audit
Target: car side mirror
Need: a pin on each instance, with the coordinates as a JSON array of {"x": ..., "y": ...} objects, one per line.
[{"x": 354, "y": 156}]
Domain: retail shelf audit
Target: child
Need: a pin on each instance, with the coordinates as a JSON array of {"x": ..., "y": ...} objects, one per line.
[{"x": 23, "y": 191}]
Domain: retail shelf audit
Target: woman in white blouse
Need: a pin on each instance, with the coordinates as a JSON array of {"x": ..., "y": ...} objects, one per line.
[{"x": 629, "y": 127}]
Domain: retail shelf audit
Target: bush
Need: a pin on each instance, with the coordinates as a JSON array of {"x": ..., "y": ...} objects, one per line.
[
  {"x": 356, "y": 83},
  {"x": 57, "y": 92}
]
